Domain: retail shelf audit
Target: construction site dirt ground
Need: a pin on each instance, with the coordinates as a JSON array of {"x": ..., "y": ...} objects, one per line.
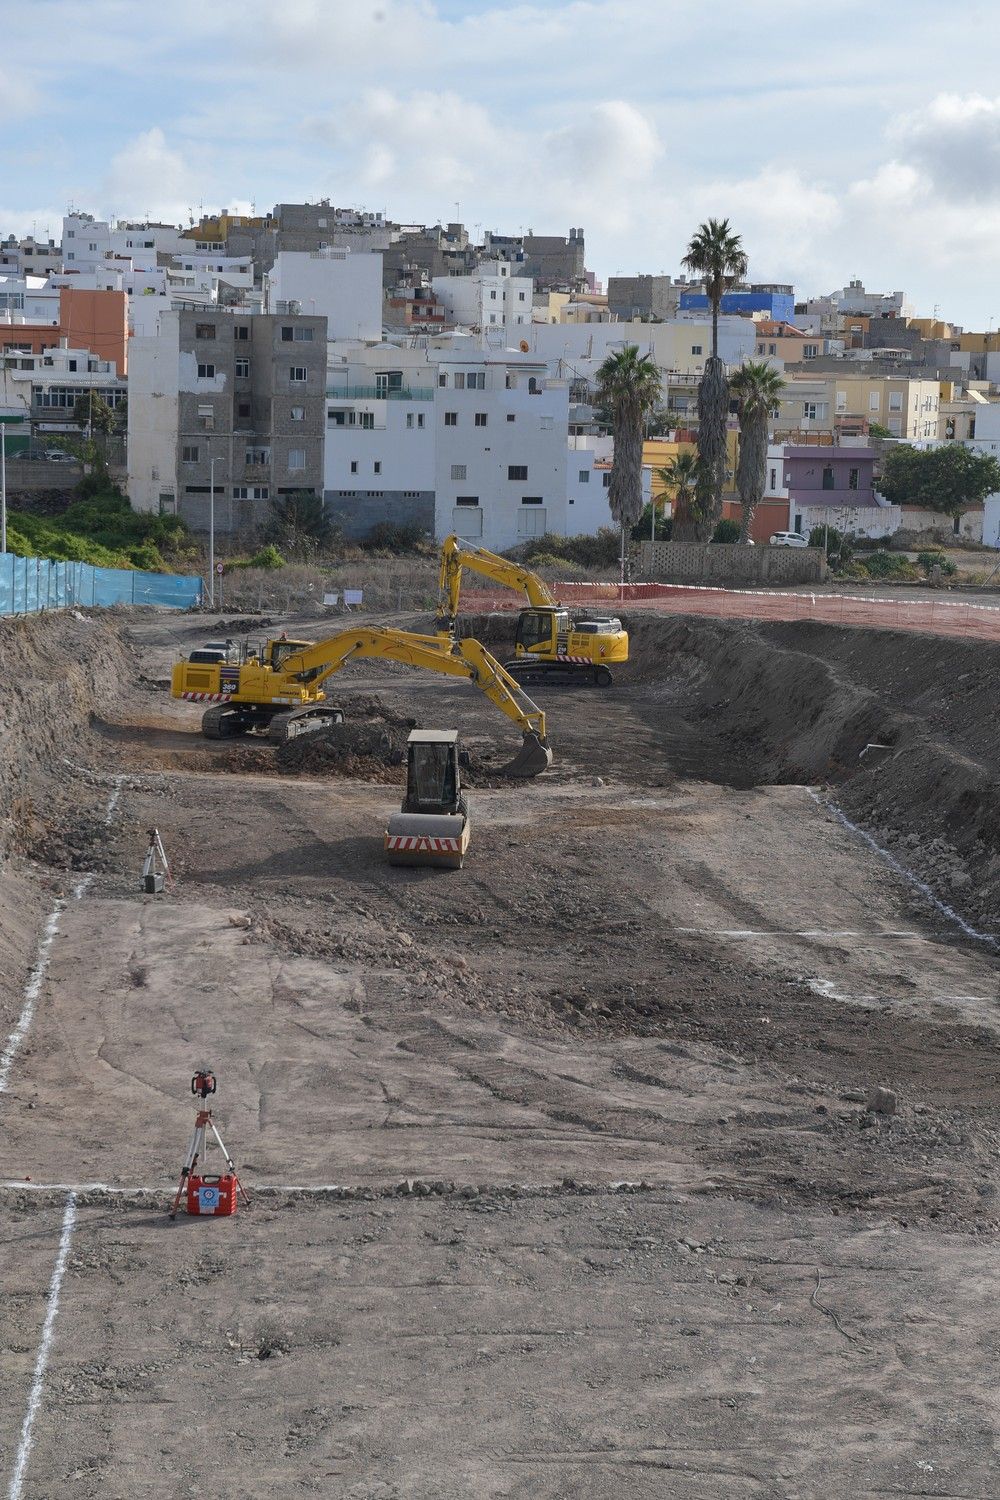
[{"x": 593, "y": 1201}]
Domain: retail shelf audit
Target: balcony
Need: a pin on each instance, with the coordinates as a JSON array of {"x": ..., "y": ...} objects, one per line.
[{"x": 379, "y": 393}]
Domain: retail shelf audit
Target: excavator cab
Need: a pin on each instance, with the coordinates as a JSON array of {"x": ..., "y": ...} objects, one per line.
[
  {"x": 432, "y": 827},
  {"x": 540, "y": 629}
]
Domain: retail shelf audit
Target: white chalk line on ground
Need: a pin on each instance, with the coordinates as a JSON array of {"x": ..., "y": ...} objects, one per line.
[
  {"x": 42, "y": 1357},
  {"x": 33, "y": 988},
  {"x": 901, "y": 870},
  {"x": 791, "y": 932},
  {"x": 40, "y": 969}
]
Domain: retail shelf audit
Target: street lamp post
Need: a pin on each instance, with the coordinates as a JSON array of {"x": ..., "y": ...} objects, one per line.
[{"x": 211, "y": 532}]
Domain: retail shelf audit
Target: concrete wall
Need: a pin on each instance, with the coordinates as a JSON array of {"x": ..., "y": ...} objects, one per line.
[
  {"x": 718, "y": 563},
  {"x": 339, "y": 285},
  {"x": 357, "y": 511}
]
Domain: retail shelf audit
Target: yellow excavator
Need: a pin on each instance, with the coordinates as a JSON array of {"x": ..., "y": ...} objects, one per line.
[
  {"x": 549, "y": 646},
  {"x": 276, "y": 689}
]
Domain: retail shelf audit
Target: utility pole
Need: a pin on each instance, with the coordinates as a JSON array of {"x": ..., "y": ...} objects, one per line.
[{"x": 211, "y": 532}]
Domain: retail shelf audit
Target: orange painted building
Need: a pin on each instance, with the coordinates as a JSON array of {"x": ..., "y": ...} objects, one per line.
[{"x": 92, "y": 320}]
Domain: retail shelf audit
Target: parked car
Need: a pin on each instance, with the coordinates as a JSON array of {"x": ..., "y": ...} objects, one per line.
[
  {"x": 58, "y": 456},
  {"x": 789, "y": 539}
]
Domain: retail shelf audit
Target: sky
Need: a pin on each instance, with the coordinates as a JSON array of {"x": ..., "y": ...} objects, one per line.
[{"x": 847, "y": 140}]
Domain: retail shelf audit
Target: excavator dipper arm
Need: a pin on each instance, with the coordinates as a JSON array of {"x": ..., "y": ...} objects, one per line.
[
  {"x": 435, "y": 653},
  {"x": 455, "y": 556}
]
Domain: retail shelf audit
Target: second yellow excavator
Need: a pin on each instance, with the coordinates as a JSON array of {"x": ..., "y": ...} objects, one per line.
[
  {"x": 277, "y": 689},
  {"x": 549, "y": 646}
]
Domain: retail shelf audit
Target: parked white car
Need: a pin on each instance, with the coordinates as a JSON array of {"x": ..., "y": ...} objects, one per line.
[{"x": 789, "y": 539}]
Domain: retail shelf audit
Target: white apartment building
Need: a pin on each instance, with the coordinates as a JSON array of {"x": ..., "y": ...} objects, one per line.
[
  {"x": 86, "y": 241},
  {"x": 502, "y": 450},
  {"x": 681, "y": 346},
  {"x": 45, "y": 387},
  {"x": 489, "y": 299},
  {"x": 343, "y": 286},
  {"x": 29, "y": 299}
]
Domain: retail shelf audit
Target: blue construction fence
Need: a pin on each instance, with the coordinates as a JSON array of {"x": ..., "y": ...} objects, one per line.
[{"x": 29, "y": 584}]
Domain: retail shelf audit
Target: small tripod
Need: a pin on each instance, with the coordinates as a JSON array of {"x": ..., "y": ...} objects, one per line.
[
  {"x": 202, "y": 1084},
  {"x": 155, "y": 868}
]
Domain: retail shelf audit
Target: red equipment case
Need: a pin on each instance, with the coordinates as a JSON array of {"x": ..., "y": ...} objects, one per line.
[{"x": 213, "y": 1196}]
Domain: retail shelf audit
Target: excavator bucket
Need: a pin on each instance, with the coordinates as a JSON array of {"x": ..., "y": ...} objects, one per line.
[{"x": 532, "y": 759}]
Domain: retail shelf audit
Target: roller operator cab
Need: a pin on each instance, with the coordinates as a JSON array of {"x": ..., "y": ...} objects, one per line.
[
  {"x": 432, "y": 827},
  {"x": 549, "y": 645}
]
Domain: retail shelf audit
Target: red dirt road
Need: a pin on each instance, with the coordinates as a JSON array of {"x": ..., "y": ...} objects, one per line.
[{"x": 934, "y": 616}]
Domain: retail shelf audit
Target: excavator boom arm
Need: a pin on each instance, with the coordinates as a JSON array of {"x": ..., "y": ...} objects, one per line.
[
  {"x": 435, "y": 653},
  {"x": 455, "y": 556}
]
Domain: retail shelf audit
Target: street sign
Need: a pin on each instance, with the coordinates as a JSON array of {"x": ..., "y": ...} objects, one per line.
[{"x": 220, "y": 567}]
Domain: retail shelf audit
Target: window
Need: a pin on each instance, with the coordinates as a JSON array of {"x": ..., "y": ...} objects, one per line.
[
  {"x": 809, "y": 410},
  {"x": 774, "y": 480},
  {"x": 772, "y": 348},
  {"x": 895, "y": 401},
  {"x": 420, "y": 419},
  {"x": 584, "y": 476},
  {"x": 466, "y": 499},
  {"x": 296, "y": 458},
  {"x": 458, "y": 471},
  {"x": 810, "y": 351},
  {"x": 695, "y": 348},
  {"x": 531, "y": 499},
  {"x": 459, "y": 380},
  {"x": 531, "y": 522},
  {"x": 828, "y": 477},
  {"x": 493, "y": 296},
  {"x": 255, "y": 456},
  {"x": 493, "y": 317},
  {"x": 377, "y": 466},
  {"x": 251, "y": 492},
  {"x": 409, "y": 419},
  {"x": 467, "y": 519},
  {"x": 298, "y": 413},
  {"x": 451, "y": 419},
  {"x": 189, "y": 454},
  {"x": 242, "y": 369},
  {"x": 520, "y": 296},
  {"x": 366, "y": 420},
  {"x": 442, "y": 380},
  {"x": 874, "y": 401},
  {"x": 298, "y": 374},
  {"x": 303, "y": 335},
  {"x": 480, "y": 419},
  {"x": 853, "y": 476},
  {"x": 354, "y": 466},
  {"x": 206, "y": 372},
  {"x": 204, "y": 330},
  {"x": 241, "y": 332},
  {"x": 841, "y": 400},
  {"x": 607, "y": 480},
  {"x": 517, "y": 471},
  {"x": 895, "y": 426},
  {"x": 475, "y": 380},
  {"x": 243, "y": 410}
]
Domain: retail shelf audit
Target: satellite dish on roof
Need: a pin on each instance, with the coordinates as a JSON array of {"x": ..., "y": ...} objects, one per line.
[{"x": 524, "y": 346}]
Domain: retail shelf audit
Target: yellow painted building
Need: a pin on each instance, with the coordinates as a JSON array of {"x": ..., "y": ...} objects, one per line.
[
  {"x": 659, "y": 453},
  {"x": 214, "y": 228}
]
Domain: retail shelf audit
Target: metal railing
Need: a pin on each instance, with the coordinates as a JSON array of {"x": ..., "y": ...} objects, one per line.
[{"x": 379, "y": 393}]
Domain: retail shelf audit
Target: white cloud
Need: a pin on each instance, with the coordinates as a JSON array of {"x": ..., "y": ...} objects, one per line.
[
  {"x": 148, "y": 176},
  {"x": 956, "y": 140}
]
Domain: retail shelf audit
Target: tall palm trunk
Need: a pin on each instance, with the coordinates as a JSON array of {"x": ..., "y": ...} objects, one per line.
[
  {"x": 751, "y": 470},
  {"x": 715, "y": 328},
  {"x": 713, "y": 410}
]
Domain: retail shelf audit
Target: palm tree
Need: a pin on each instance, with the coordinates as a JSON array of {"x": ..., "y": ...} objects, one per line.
[
  {"x": 628, "y": 384},
  {"x": 680, "y": 475},
  {"x": 715, "y": 254},
  {"x": 757, "y": 386}
]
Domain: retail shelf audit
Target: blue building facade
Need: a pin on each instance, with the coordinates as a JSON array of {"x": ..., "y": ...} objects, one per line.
[{"x": 777, "y": 305}]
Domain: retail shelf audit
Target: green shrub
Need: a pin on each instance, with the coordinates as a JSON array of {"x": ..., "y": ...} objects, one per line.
[
  {"x": 929, "y": 560},
  {"x": 642, "y": 528},
  {"x": 267, "y": 557},
  {"x": 893, "y": 567},
  {"x": 825, "y": 536},
  {"x": 99, "y": 528},
  {"x": 599, "y": 551},
  {"x": 726, "y": 531}
]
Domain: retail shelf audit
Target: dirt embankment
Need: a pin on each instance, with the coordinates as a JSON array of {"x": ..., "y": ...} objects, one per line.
[
  {"x": 900, "y": 728},
  {"x": 58, "y": 670}
]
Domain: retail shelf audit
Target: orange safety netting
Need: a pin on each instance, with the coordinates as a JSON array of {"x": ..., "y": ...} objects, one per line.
[{"x": 936, "y": 616}]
